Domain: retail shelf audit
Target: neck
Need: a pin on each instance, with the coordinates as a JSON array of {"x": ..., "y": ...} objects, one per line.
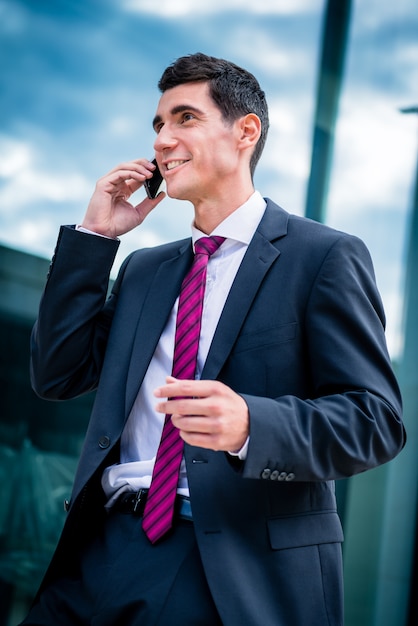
[{"x": 210, "y": 212}]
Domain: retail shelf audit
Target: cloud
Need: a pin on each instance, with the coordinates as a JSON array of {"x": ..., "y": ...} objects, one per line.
[
  {"x": 178, "y": 8},
  {"x": 277, "y": 60},
  {"x": 34, "y": 200},
  {"x": 375, "y": 155},
  {"x": 24, "y": 182},
  {"x": 286, "y": 156},
  {"x": 370, "y": 190},
  {"x": 372, "y": 16},
  {"x": 14, "y": 156},
  {"x": 36, "y": 232}
]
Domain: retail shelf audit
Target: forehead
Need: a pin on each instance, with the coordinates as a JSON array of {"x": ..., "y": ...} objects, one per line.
[{"x": 195, "y": 95}]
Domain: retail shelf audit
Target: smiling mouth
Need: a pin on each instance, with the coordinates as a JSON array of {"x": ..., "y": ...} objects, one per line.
[{"x": 171, "y": 165}]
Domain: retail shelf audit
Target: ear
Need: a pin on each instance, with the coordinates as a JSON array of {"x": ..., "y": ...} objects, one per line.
[{"x": 249, "y": 130}]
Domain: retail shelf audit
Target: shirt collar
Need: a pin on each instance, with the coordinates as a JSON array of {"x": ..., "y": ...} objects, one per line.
[{"x": 241, "y": 224}]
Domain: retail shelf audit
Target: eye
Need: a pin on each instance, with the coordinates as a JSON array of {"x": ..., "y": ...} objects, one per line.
[{"x": 187, "y": 117}]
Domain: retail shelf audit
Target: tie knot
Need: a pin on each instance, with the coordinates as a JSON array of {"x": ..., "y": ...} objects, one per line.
[{"x": 208, "y": 245}]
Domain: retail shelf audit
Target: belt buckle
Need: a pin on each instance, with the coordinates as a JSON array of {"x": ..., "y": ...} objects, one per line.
[{"x": 139, "y": 496}]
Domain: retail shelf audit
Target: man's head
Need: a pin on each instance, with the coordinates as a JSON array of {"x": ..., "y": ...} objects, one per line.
[{"x": 235, "y": 91}]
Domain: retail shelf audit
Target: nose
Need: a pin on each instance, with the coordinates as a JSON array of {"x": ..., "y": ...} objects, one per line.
[{"x": 164, "y": 139}]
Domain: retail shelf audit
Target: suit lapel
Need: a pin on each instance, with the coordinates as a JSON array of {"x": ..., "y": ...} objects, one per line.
[
  {"x": 257, "y": 261},
  {"x": 159, "y": 301}
]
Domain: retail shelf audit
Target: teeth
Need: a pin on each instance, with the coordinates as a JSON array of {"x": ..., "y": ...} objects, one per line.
[{"x": 173, "y": 164}]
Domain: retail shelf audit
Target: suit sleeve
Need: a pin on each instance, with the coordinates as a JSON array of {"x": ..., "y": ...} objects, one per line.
[
  {"x": 69, "y": 338},
  {"x": 351, "y": 421}
]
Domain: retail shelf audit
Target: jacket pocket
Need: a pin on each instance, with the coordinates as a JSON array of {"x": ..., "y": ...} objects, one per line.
[
  {"x": 296, "y": 531},
  {"x": 266, "y": 337}
]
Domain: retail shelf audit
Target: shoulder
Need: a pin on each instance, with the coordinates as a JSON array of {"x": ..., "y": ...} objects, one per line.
[
  {"x": 309, "y": 233},
  {"x": 313, "y": 245},
  {"x": 159, "y": 254}
]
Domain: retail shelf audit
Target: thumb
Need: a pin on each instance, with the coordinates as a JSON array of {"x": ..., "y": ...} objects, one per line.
[{"x": 148, "y": 204}]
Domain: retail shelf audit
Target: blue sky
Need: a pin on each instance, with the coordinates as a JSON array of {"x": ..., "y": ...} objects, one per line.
[{"x": 78, "y": 93}]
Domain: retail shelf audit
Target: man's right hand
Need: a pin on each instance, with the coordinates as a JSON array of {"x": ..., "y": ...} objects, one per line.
[{"x": 109, "y": 212}]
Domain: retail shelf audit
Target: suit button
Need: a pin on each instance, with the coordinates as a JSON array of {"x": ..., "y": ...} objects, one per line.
[
  {"x": 104, "y": 442},
  {"x": 274, "y": 475},
  {"x": 290, "y": 476},
  {"x": 266, "y": 473},
  {"x": 282, "y": 476},
  {"x": 66, "y": 505}
]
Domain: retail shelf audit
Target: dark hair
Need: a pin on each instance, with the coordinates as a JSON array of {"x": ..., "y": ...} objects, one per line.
[{"x": 234, "y": 90}]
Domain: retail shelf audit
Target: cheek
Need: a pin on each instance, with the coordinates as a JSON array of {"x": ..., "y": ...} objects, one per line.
[{"x": 221, "y": 160}]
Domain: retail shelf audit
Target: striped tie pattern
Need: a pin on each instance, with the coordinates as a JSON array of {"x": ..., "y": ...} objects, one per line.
[{"x": 159, "y": 507}]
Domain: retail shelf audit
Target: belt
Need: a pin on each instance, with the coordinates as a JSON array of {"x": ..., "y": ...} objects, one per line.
[{"x": 134, "y": 502}]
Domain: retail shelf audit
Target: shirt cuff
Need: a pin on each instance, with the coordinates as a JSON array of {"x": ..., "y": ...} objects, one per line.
[
  {"x": 91, "y": 232},
  {"x": 241, "y": 454}
]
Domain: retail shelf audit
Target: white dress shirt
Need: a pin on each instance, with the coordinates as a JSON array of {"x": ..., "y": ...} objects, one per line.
[{"x": 142, "y": 432}]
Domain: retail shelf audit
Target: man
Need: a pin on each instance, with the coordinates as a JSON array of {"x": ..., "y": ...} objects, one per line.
[{"x": 293, "y": 385}]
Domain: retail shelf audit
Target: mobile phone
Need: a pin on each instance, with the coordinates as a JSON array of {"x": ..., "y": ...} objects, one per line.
[{"x": 154, "y": 185}]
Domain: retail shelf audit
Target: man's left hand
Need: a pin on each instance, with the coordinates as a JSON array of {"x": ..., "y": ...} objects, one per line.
[{"x": 207, "y": 413}]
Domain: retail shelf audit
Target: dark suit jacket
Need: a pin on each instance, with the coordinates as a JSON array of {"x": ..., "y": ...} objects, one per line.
[{"x": 301, "y": 338}]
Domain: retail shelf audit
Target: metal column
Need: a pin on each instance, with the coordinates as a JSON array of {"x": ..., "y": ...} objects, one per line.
[{"x": 334, "y": 43}]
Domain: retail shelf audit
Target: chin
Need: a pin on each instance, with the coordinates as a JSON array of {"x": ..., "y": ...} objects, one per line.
[{"x": 177, "y": 194}]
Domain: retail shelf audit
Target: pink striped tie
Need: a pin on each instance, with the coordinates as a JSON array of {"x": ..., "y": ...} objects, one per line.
[{"x": 159, "y": 507}]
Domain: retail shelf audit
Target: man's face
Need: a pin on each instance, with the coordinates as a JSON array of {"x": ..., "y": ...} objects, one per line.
[{"x": 195, "y": 148}]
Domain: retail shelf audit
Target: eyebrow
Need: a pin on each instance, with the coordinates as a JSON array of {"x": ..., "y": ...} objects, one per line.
[{"x": 180, "y": 108}]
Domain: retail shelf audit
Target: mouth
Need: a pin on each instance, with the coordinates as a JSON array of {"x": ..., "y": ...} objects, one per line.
[{"x": 171, "y": 165}]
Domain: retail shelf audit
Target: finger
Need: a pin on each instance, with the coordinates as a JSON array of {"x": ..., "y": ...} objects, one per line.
[
  {"x": 188, "y": 388},
  {"x": 125, "y": 177},
  {"x": 147, "y": 205},
  {"x": 195, "y": 424},
  {"x": 183, "y": 407},
  {"x": 125, "y": 172},
  {"x": 201, "y": 440},
  {"x": 137, "y": 165},
  {"x": 133, "y": 185}
]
